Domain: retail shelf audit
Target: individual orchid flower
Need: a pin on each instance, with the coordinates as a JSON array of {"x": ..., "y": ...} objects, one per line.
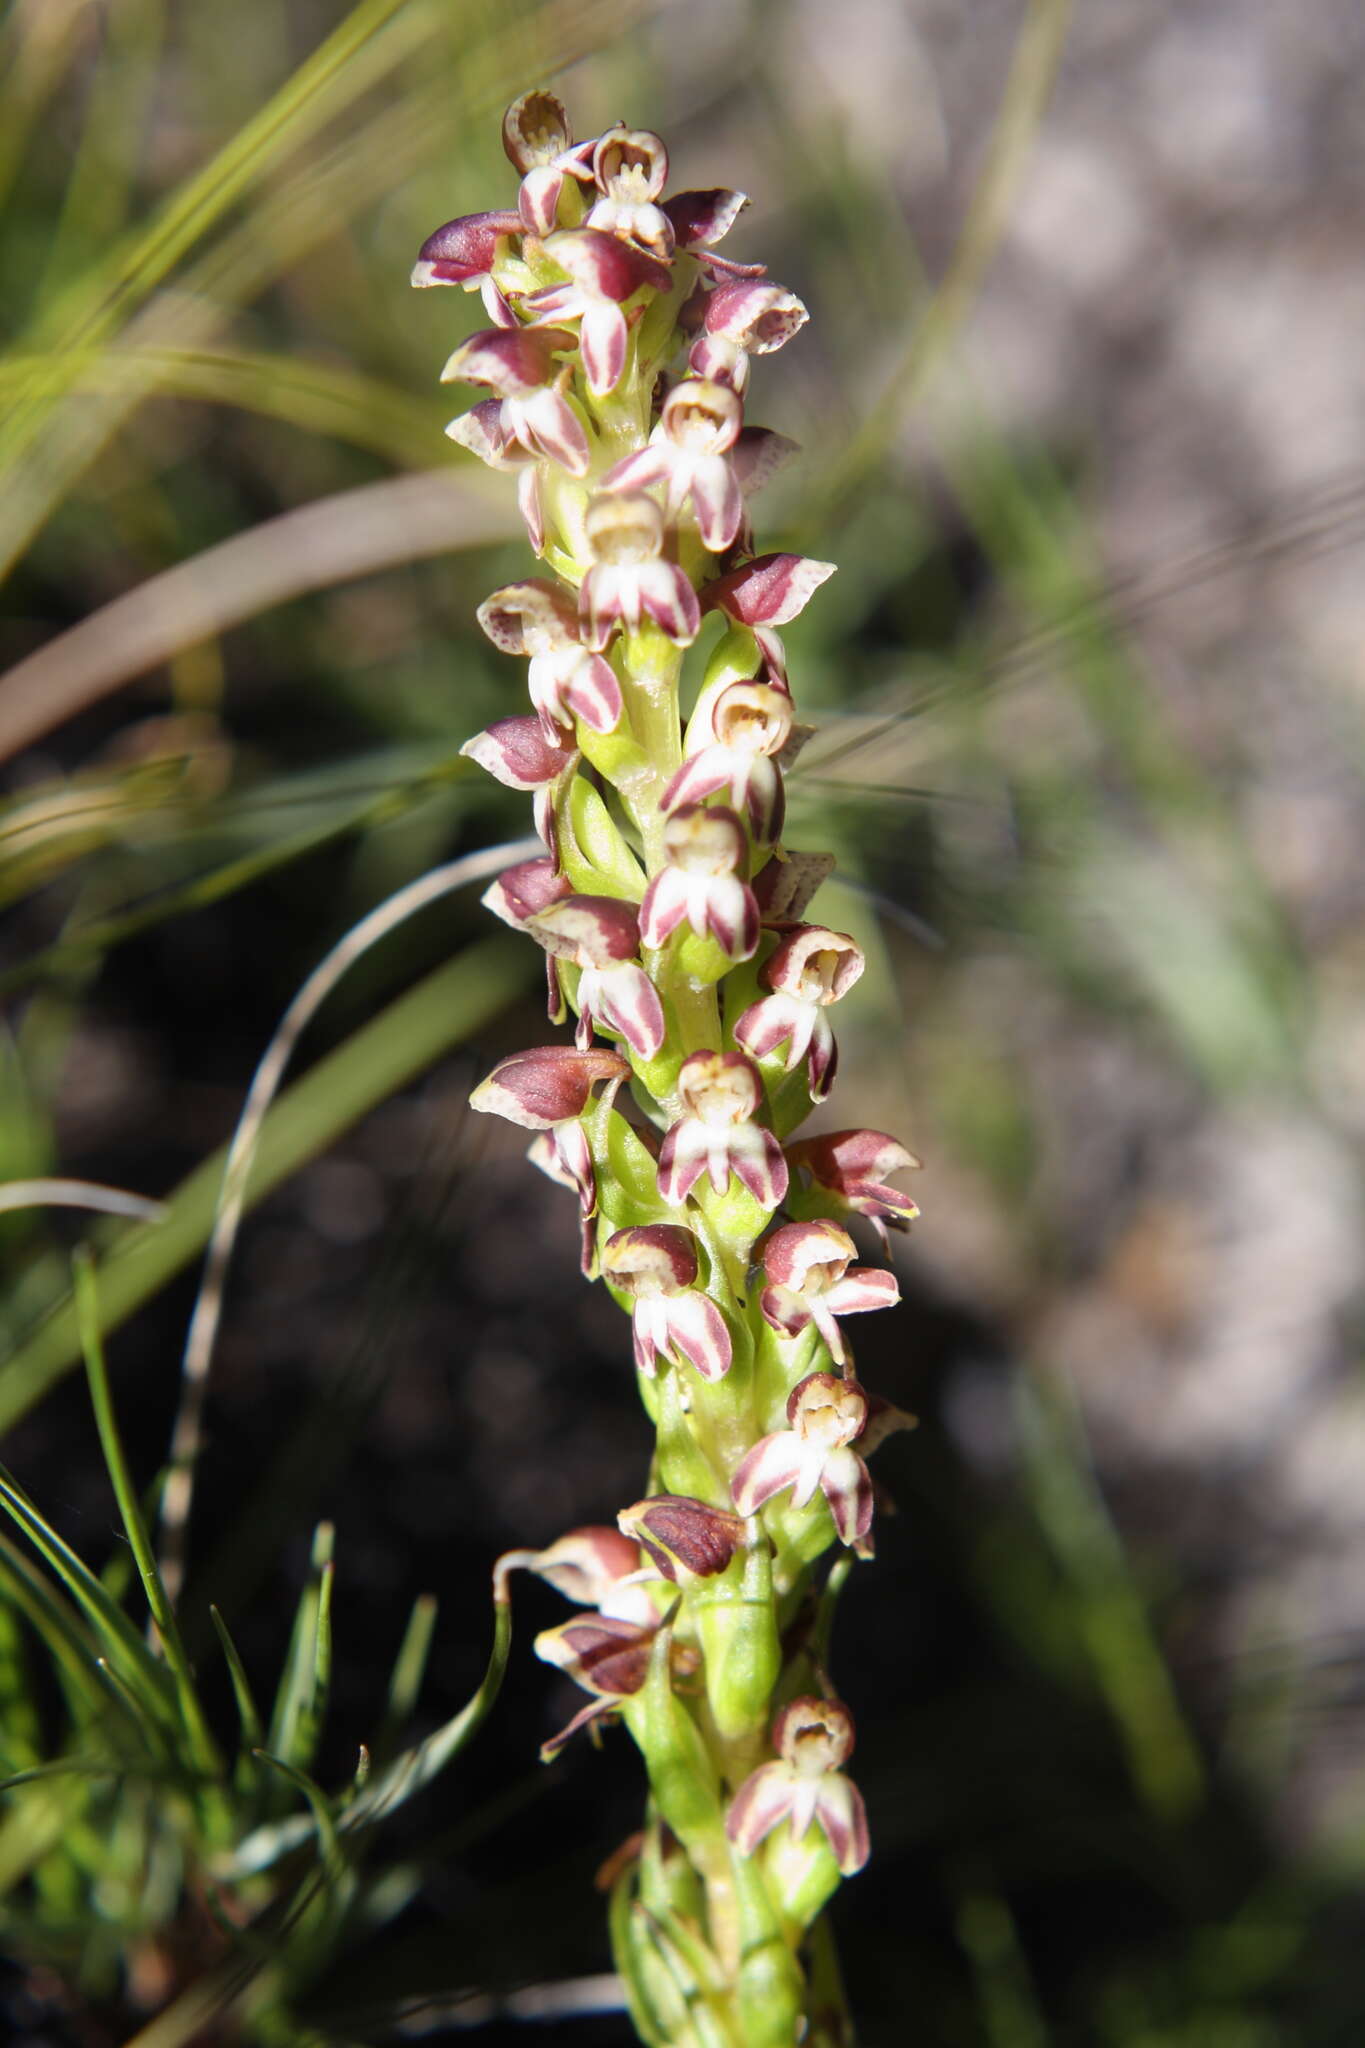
[
  {"x": 811, "y": 969},
  {"x": 516, "y": 895},
  {"x": 516, "y": 753},
  {"x": 850, "y": 1168},
  {"x": 758, "y": 315},
  {"x": 684, "y": 1538},
  {"x": 721, "y": 1093},
  {"x": 609, "y": 1658},
  {"x": 600, "y": 935},
  {"x": 566, "y": 680},
  {"x": 603, "y": 271},
  {"x": 537, "y": 141},
  {"x": 656, "y": 1265},
  {"x": 825, "y": 1414},
  {"x": 594, "y": 1567},
  {"x": 687, "y": 452},
  {"x": 628, "y": 576},
  {"x": 519, "y": 367},
  {"x": 547, "y": 1090},
  {"x": 749, "y": 723},
  {"x": 703, "y": 851},
  {"x": 806, "y": 1785},
  {"x": 812, "y": 1279},
  {"x": 463, "y": 252},
  {"x": 631, "y": 169},
  {"x": 768, "y": 592}
]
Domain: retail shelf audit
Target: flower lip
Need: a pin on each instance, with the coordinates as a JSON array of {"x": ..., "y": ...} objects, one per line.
[
  {"x": 630, "y": 164},
  {"x": 704, "y": 841},
  {"x": 650, "y": 1259},
  {"x": 752, "y": 718},
  {"x": 535, "y": 130},
  {"x": 799, "y": 1253},
  {"x": 814, "y": 1736},
  {"x": 720, "y": 1087},
  {"x": 815, "y": 965},
  {"x": 826, "y": 1410},
  {"x": 624, "y": 527},
  {"x": 702, "y": 416}
]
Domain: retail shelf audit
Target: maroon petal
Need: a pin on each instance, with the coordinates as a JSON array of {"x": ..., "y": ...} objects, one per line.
[
  {"x": 668, "y": 597},
  {"x": 685, "y": 1538},
  {"x": 603, "y": 337},
  {"x": 682, "y": 1159},
  {"x": 697, "y": 1329},
  {"x": 847, "y": 1487},
  {"x": 770, "y": 591},
  {"x": 774, "y": 1463},
  {"x": 482, "y": 432},
  {"x": 718, "y": 502},
  {"x": 547, "y": 1085},
  {"x": 758, "y": 455},
  {"x": 592, "y": 931},
  {"x": 520, "y": 892},
  {"x": 702, "y": 217},
  {"x": 514, "y": 362},
  {"x": 627, "y": 1001},
  {"x": 594, "y": 694},
  {"x": 840, "y": 1811},
  {"x": 604, "y": 265},
  {"x": 463, "y": 250},
  {"x": 516, "y": 752},
  {"x": 762, "y": 1803}
]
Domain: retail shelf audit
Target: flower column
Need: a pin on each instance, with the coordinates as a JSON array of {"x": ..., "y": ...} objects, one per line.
[{"x": 670, "y": 915}]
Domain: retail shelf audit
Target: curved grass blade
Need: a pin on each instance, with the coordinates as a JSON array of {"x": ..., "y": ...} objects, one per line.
[
  {"x": 248, "y": 1715},
  {"x": 334, "y": 540},
  {"x": 201, "y": 1746},
  {"x": 383, "y": 1056}
]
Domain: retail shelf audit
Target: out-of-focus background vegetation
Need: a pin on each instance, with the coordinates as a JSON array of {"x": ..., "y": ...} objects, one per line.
[{"x": 1083, "y": 409}]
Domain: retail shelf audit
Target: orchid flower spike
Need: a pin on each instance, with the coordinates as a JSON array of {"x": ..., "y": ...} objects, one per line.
[{"x": 611, "y": 383}]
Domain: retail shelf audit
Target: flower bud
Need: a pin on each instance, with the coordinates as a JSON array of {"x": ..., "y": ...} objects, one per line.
[{"x": 685, "y": 1538}]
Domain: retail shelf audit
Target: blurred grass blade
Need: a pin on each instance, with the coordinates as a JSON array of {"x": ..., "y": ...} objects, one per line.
[
  {"x": 62, "y": 1634},
  {"x": 409, "y": 1668},
  {"x": 376, "y": 1061},
  {"x": 335, "y": 540},
  {"x": 111, "y": 1625},
  {"x": 1131, "y": 1672},
  {"x": 418, "y": 1766},
  {"x": 301, "y": 1698},
  {"x": 329, "y": 1847},
  {"x": 78, "y": 1194},
  {"x": 248, "y": 1715},
  {"x": 392, "y": 1787},
  {"x": 201, "y": 1745},
  {"x": 317, "y": 398}
]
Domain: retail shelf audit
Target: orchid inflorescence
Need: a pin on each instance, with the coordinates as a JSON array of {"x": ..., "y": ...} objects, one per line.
[{"x": 671, "y": 918}]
